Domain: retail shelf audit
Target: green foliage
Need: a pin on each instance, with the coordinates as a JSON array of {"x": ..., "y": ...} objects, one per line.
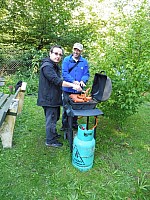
[
  {"x": 123, "y": 53},
  {"x": 30, "y": 74},
  {"x": 28, "y": 71},
  {"x": 119, "y": 45},
  {"x": 36, "y": 23},
  {"x": 142, "y": 185},
  {"x": 31, "y": 61}
]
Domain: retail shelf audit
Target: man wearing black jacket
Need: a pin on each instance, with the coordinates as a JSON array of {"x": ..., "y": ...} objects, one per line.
[{"x": 50, "y": 93}]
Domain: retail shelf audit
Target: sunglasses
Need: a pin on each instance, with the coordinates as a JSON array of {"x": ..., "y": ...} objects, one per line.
[{"x": 58, "y": 54}]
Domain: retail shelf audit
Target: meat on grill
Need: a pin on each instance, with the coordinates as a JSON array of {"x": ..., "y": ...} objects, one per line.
[{"x": 81, "y": 97}]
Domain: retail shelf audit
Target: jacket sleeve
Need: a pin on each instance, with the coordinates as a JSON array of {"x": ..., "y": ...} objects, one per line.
[{"x": 52, "y": 76}]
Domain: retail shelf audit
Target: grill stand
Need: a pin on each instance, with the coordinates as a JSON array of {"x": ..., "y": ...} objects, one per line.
[{"x": 84, "y": 113}]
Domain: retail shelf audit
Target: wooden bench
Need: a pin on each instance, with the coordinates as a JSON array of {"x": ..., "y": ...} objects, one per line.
[{"x": 10, "y": 107}]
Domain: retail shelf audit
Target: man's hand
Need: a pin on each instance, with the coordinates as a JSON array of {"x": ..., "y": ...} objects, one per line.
[
  {"x": 76, "y": 82},
  {"x": 82, "y": 84},
  {"x": 77, "y": 87}
]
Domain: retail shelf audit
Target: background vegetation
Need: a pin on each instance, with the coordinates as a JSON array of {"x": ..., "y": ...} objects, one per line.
[{"x": 115, "y": 34}]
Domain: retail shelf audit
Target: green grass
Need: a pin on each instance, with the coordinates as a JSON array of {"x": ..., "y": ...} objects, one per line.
[{"x": 121, "y": 169}]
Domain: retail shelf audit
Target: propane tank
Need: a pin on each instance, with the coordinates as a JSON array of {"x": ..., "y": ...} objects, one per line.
[{"x": 83, "y": 148}]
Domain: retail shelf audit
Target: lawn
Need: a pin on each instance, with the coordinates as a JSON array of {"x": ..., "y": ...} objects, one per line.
[{"x": 121, "y": 170}]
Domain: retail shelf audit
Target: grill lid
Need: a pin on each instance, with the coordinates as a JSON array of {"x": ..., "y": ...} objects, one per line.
[{"x": 101, "y": 88}]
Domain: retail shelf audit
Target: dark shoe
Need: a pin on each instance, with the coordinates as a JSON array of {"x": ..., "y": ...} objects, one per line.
[
  {"x": 54, "y": 144},
  {"x": 75, "y": 126}
]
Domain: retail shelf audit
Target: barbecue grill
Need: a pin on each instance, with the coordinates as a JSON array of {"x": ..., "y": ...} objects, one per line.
[{"x": 101, "y": 91}]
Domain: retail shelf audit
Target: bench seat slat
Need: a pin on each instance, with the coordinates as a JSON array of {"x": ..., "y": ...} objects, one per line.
[
  {"x": 16, "y": 93},
  {"x": 1, "y": 94},
  {"x": 3, "y": 99},
  {"x": 5, "y": 108}
]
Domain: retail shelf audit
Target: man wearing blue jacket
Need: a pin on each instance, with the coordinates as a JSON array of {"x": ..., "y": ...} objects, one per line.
[{"x": 75, "y": 69}]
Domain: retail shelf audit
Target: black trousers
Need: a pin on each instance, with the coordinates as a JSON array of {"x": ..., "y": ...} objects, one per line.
[{"x": 52, "y": 115}]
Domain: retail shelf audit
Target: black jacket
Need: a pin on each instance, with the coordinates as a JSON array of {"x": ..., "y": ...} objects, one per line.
[{"x": 50, "y": 84}]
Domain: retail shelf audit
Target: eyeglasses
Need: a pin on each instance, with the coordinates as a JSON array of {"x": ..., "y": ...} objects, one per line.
[{"x": 56, "y": 53}]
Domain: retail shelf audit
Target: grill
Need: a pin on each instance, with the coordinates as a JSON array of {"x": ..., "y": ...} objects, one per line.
[{"x": 101, "y": 91}]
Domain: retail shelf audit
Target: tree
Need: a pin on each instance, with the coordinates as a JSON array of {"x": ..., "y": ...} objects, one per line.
[
  {"x": 36, "y": 23},
  {"x": 115, "y": 35},
  {"x": 121, "y": 48}
]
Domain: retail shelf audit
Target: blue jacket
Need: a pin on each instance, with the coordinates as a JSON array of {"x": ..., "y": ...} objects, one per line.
[
  {"x": 50, "y": 84},
  {"x": 78, "y": 73}
]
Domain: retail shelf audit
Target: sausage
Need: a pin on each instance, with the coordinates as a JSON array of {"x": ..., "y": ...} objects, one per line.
[
  {"x": 73, "y": 95},
  {"x": 81, "y": 96},
  {"x": 88, "y": 98},
  {"x": 77, "y": 100}
]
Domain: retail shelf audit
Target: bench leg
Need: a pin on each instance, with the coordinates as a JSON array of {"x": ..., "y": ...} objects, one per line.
[
  {"x": 7, "y": 131},
  {"x": 20, "y": 96},
  {"x": 21, "y": 101}
]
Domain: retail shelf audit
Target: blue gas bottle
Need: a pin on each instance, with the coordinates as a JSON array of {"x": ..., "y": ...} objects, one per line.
[{"x": 83, "y": 148}]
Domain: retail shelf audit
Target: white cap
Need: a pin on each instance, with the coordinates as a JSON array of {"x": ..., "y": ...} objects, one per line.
[{"x": 78, "y": 46}]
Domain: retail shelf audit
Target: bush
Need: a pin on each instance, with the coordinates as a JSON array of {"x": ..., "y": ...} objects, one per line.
[{"x": 124, "y": 56}]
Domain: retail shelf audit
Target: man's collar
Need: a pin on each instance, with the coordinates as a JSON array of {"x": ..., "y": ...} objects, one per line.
[
  {"x": 79, "y": 59},
  {"x": 75, "y": 59}
]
